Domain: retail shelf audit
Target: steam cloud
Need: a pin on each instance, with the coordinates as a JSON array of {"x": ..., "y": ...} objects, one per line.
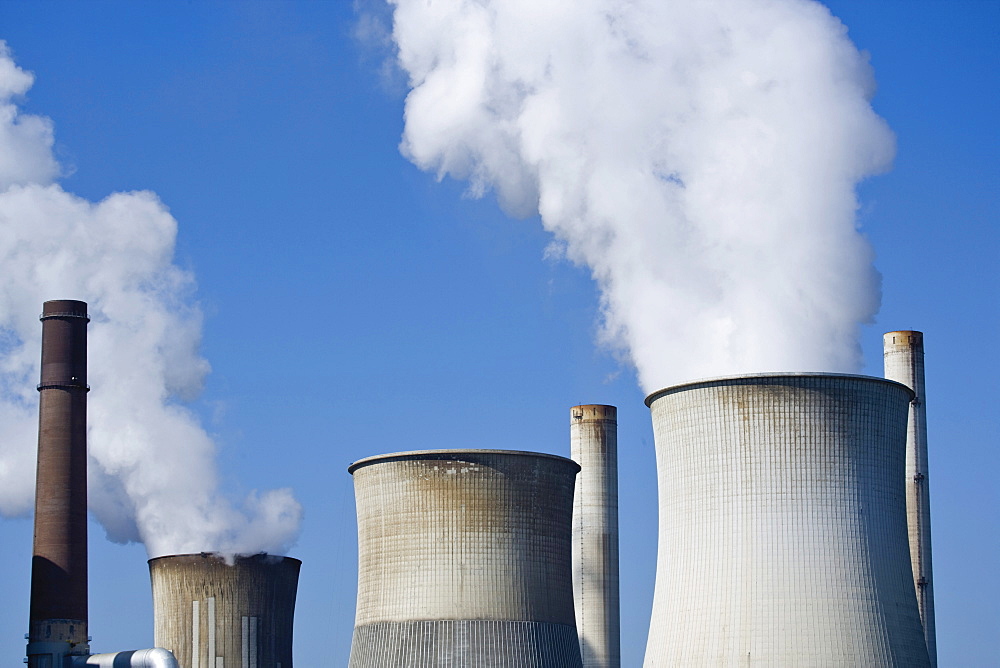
[
  {"x": 152, "y": 468},
  {"x": 700, "y": 158}
]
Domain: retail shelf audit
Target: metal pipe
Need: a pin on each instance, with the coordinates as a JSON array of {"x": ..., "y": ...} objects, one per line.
[
  {"x": 136, "y": 658},
  {"x": 594, "y": 446},
  {"x": 904, "y": 363},
  {"x": 59, "y": 558}
]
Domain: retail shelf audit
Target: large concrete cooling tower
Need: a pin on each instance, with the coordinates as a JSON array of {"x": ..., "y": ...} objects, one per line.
[
  {"x": 212, "y": 614},
  {"x": 783, "y": 524},
  {"x": 904, "y": 363},
  {"x": 58, "y": 621},
  {"x": 464, "y": 560},
  {"x": 594, "y": 446}
]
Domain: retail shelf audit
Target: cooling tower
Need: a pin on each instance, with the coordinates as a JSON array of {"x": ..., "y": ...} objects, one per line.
[
  {"x": 783, "y": 537},
  {"x": 212, "y": 614},
  {"x": 58, "y": 618},
  {"x": 464, "y": 560},
  {"x": 904, "y": 363},
  {"x": 594, "y": 446}
]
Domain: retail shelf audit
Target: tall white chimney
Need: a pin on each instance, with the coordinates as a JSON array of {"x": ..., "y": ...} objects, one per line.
[
  {"x": 594, "y": 446},
  {"x": 904, "y": 363}
]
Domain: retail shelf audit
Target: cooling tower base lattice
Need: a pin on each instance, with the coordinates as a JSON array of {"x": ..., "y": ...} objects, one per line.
[{"x": 463, "y": 642}]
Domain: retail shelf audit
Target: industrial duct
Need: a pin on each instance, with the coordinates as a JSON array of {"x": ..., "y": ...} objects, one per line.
[
  {"x": 139, "y": 658},
  {"x": 214, "y": 613},
  {"x": 464, "y": 559},
  {"x": 594, "y": 446},
  {"x": 783, "y": 536}
]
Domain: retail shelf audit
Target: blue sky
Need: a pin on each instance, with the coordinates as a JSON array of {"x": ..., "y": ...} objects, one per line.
[{"x": 354, "y": 305}]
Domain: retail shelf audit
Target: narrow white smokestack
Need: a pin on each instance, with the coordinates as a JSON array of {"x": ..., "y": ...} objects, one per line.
[
  {"x": 904, "y": 363},
  {"x": 594, "y": 446}
]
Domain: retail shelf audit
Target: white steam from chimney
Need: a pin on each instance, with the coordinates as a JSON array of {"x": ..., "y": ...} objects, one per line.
[
  {"x": 699, "y": 157},
  {"x": 152, "y": 465}
]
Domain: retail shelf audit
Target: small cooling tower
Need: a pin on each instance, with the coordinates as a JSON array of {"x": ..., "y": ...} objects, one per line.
[
  {"x": 782, "y": 534},
  {"x": 464, "y": 560},
  {"x": 594, "y": 446},
  {"x": 213, "y": 614}
]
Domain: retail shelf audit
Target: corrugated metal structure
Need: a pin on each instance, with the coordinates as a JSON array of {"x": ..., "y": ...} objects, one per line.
[
  {"x": 783, "y": 537},
  {"x": 594, "y": 446},
  {"x": 58, "y": 617},
  {"x": 464, "y": 559},
  {"x": 904, "y": 363},
  {"x": 214, "y": 614}
]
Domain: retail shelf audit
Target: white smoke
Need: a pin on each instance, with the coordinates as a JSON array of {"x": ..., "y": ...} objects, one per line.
[
  {"x": 152, "y": 465},
  {"x": 699, "y": 157}
]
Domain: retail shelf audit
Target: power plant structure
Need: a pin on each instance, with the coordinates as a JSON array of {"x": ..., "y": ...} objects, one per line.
[
  {"x": 217, "y": 613},
  {"x": 594, "y": 446},
  {"x": 464, "y": 559},
  {"x": 903, "y": 353},
  {"x": 794, "y": 530},
  {"x": 783, "y": 533},
  {"x": 58, "y": 618}
]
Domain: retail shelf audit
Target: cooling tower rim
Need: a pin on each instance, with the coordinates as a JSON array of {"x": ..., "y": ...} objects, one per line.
[
  {"x": 442, "y": 454},
  {"x": 219, "y": 556},
  {"x": 748, "y": 377}
]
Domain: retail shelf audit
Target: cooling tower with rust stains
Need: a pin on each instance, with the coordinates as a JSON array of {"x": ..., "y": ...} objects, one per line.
[
  {"x": 594, "y": 446},
  {"x": 903, "y": 353},
  {"x": 58, "y": 618},
  {"x": 464, "y": 559},
  {"x": 783, "y": 537},
  {"x": 214, "y": 614}
]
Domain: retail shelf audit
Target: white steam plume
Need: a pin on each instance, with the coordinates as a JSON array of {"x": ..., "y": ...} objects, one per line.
[
  {"x": 699, "y": 157},
  {"x": 152, "y": 466}
]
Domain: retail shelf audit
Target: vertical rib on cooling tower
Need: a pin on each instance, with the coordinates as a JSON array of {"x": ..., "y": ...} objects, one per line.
[
  {"x": 783, "y": 524},
  {"x": 904, "y": 363},
  {"x": 464, "y": 560},
  {"x": 211, "y": 614},
  {"x": 594, "y": 446}
]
